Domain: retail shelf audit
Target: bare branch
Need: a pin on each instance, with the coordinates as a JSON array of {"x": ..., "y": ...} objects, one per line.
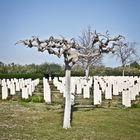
[
  {"x": 125, "y": 52},
  {"x": 92, "y": 45}
]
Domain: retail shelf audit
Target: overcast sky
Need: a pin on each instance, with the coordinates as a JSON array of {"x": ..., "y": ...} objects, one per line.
[{"x": 21, "y": 19}]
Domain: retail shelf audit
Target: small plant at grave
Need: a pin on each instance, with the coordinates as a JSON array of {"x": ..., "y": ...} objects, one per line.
[
  {"x": 98, "y": 106},
  {"x": 135, "y": 105},
  {"x": 26, "y": 100},
  {"x": 37, "y": 99}
]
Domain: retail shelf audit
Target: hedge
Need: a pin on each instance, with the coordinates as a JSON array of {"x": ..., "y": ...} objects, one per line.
[{"x": 25, "y": 76}]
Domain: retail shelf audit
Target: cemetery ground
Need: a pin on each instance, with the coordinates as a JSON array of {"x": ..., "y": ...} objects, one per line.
[{"x": 35, "y": 120}]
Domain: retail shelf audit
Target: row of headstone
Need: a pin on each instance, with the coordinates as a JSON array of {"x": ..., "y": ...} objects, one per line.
[
  {"x": 79, "y": 85},
  {"x": 29, "y": 87},
  {"x": 11, "y": 86},
  {"x": 126, "y": 86}
]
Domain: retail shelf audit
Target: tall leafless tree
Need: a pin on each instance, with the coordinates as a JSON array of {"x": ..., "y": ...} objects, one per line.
[
  {"x": 86, "y": 41},
  {"x": 67, "y": 49},
  {"x": 126, "y": 53},
  {"x": 91, "y": 41},
  {"x": 71, "y": 51}
]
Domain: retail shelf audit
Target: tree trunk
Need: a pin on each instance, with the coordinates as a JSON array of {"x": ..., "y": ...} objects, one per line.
[
  {"x": 123, "y": 73},
  {"x": 87, "y": 72},
  {"x": 67, "y": 111}
]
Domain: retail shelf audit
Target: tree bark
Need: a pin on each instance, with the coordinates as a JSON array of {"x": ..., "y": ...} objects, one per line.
[
  {"x": 67, "y": 111},
  {"x": 87, "y": 72},
  {"x": 123, "y": 72}
]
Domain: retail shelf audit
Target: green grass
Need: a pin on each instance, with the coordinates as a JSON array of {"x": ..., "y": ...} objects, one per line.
[
  {"x": 33, "y": 120},
  {"x": 36, "y": 122}
]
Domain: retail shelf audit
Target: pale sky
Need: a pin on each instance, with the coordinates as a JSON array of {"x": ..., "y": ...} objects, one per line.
[{"x": 21, "y": 19}]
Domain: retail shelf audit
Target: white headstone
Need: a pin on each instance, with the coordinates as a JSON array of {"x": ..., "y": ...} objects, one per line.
[
  {"x": 115, "y": 88},
  {"x": 108, "y": 91},
  {"x": 29, "y": 89},
  {"x": 86, "y": 91},
  {"x": 17, "y": 86},
  {"x": 50, "y": 78},
  {"x": 97, "y": 94},
  {"x": 12, "y": 88},
  {"x": 4, "y": 92},
  {"x": 72, "y": 99},
  {"x": 25, "y": 93},
  {"x": 79, "y": 88},
  {"x": 126, "y": 101},
  {"x": 46, "y": 91}
]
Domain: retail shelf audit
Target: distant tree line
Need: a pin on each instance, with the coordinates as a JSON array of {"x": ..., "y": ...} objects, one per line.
[
  {"x": 31, "y": 70},
  {"x": 55, "y": 70}
]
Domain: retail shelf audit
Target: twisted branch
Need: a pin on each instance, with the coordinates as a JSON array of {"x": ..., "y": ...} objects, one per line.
[{"x": 71, "y": 50}]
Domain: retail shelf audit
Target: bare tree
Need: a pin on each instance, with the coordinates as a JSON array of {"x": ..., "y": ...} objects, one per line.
[
  {"x": 91, "y": 41},
  {"x": 60, "y": 47},
  {"x": 126, "y": 53},
  {"x": 86, "y": 41},
  {"x": 70, "y": 50}
]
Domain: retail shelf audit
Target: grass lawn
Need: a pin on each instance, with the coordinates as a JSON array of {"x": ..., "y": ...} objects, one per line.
[{"x": 39, "y": 121}]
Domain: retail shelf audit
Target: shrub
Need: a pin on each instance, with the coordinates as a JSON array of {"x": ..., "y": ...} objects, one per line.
[
  {"x": 26, "y": 76},
  {"x": 26, "y": 100},
  {"x": 135, "y": 105},
  {"x": 37, "y": 99}
]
